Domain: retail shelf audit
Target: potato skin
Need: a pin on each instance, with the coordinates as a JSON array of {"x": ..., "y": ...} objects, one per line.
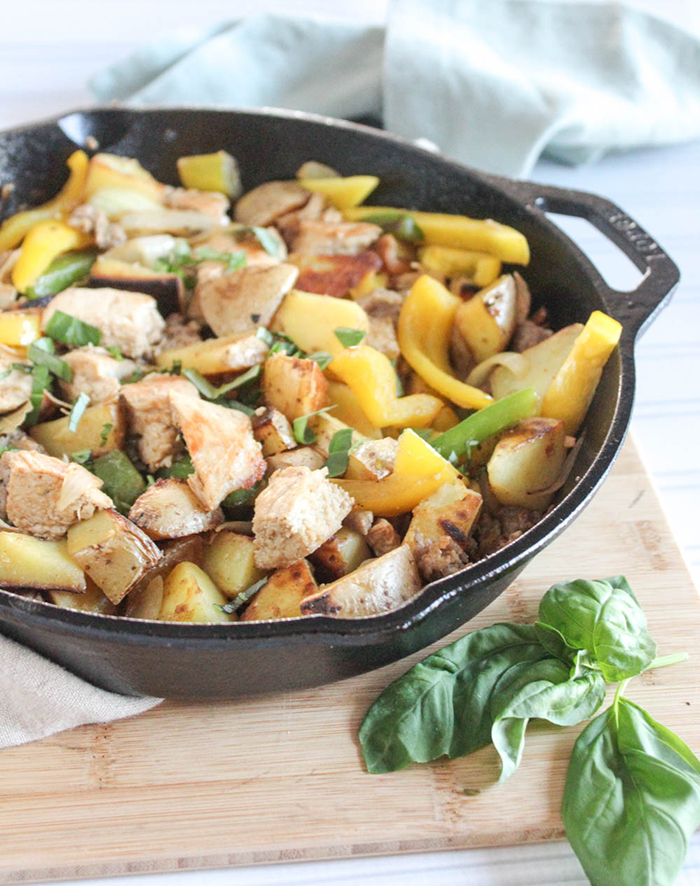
[
  {"x": 378, "y": 586},
  {"x": 282, "y": 595},
  {"x": 294, "y": 386},
  {"x": 341, "y": 554},
  {"x": 114, "y": 552},
  {"x": 526, "y": 460}
]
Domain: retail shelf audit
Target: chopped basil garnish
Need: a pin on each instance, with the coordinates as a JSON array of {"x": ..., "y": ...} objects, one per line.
[
  {"x": 71, "y": 331},
  {"x": 40, "y": 381},
  {"x": 243, "y": 597},
  {"x": 77, "y": 411},
  {"x": 82, "y": 456},
  {"x": 42, "y": 353},
  {"x": 115, "y": 352},
  {"x": 240, "y": 496},
  {"x": 302, "y": 432},
  {"x": 349, "y": 337},
  {"x": 210, "y": 392},
  {"x": 339, "y": 452},
  {"x": 323, "y": 358}
]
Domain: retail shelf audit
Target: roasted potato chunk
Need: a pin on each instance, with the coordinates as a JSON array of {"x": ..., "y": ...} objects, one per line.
[
  {"x": 92, "y": 600},
  {"x": 294, "y": 386},
  {"x": 169, "y": 509},
  {"x": 281, "y": 595},
  {"x": 145, "y": 599},
  {"x": 328, "y": 314},
  {"x": 190, "y": 595},
  {"x": 342, "y": 553},
  {"x": 245, "y": 298},
  {"x": 301, "y": 457},
  {"x": 113, "y": 552},
  {"x": 229, "y": 560},
  {"x": 377, "y": 586},
  {"x": 27, "y": 562},
  {"x": 273, "y": 431},
  {"x": 325, "y": 426},
  {"x": 440, "y": 529},
  {"x": 101, "y": 429},
  {"x": 372, "y": 460},
  {"x": 233, "y": 353},
  {"x": 526, "y": 461}
]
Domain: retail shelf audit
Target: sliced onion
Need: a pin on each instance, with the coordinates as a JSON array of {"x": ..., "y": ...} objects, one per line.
[
  {"x": 7, "y": 527},
  {"x": 517, "y": 363},
  {"x": 11, "y": 421},
  {"x": 242, "y": 527},
  {"x": 564, "y": 473},
  {"x": 75, "y": 484}
]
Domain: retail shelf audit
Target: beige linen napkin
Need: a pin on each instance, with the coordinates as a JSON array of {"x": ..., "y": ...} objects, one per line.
[{"x": 39, "y": 698}]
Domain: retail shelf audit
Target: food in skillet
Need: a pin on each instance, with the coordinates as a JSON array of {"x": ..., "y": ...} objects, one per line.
[{"x": 308, "y": 406}]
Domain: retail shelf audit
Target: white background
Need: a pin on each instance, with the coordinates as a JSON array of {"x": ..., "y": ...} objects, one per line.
[{"x": 48, "y": 49}]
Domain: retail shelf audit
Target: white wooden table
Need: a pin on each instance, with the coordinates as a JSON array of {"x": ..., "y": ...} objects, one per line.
[{"x": 47, "y": 52}]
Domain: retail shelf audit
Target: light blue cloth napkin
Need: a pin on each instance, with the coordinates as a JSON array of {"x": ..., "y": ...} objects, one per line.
[{"x": 494, "y": 83}]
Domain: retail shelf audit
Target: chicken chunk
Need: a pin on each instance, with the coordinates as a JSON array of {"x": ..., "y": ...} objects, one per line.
[
  {"x": 333, "y": 275},
  {"x": 527, "y": 335},
  {"x": 148, "y": 410},
  {"x": 169, "y": 509},
  {"x": 44, "y": 496},
  {"x": 245, "y": 298},
  {"x": 207, "y": 202},
  {"x": 15, "y": 386},
  {"x": 317, "y": 209},
  {"x": 377, "y": 586},
  {"x": 294, "y": 386},
  {"x": 295, "y": 514},
  {"x": 225, "y": 454},
  {"x": 95, "y": 373},
  {"x": 127, "y": 320},
  {"x": 264, "y": 204},
  {"x": 301, "y": 457},
  {"x": 317, "y": 237}
]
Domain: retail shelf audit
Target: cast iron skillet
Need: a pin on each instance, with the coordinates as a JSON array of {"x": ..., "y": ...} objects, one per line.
[{"x": 222, "y": 661}]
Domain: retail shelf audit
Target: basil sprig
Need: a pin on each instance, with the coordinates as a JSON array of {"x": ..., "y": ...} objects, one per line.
[
  {"x": 71, "y": 331},
  {"x": 632, "y": 797}
]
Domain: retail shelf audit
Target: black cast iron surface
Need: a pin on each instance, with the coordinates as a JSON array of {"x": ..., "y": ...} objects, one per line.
[{"x": 225, "y": 661}]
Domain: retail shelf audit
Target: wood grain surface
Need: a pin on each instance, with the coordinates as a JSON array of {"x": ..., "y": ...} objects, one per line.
[{"x": 188, "y": 786}]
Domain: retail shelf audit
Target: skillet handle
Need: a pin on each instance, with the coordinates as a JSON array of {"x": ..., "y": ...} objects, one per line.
[{"x": 634, "y": 309}]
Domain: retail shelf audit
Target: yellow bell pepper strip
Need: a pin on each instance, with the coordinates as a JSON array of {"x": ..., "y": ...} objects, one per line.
[
  {"x": 344, "y": 193},
  {"x": 451, "y": 261},
  {"x": 14, "y": 229},
  {"x": 19, "y": 328},
  {"x": 348, "y": 410},
  {"x": 482, "y": 235},
  {"x": 46, "y": 240},
  {"x": 571, "y": 391},
  {"x": 418, "y": 472},
  {"x": 372, "y": 379},
  {"x": 210, "y": 172},
  {"x": 425, "y": 323},
  {"x": 457, "y": 442}
]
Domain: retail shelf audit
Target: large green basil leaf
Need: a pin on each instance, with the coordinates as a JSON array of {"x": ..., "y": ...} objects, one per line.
[
  {"x": 604, "y": 618},
  {"x": 542, "y": 690},
  {"x": 631, "y": 800},
  {"x": 442, "y": 704}
]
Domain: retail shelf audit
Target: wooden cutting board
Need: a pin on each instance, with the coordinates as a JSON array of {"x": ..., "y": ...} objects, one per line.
[{"x": 208, "y": 785}]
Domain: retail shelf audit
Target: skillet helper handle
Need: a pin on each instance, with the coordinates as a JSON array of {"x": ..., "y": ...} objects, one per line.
[{"x": 637, "y": 308}]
